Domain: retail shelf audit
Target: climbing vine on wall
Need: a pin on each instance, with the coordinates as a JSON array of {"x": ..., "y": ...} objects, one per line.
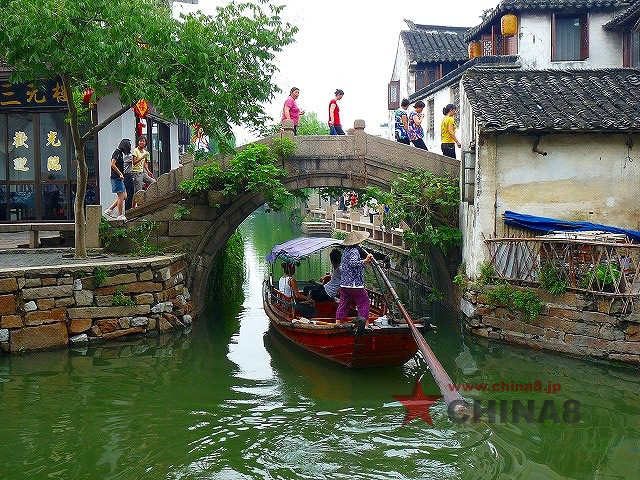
[
  {"x": 253, "y": 169},
  {"x": 428, "y": 203}
]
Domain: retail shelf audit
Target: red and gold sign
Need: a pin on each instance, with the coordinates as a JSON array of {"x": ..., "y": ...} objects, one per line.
[
  {"x": 141, "y": 108},
  {"x": 475, "y": 50}
]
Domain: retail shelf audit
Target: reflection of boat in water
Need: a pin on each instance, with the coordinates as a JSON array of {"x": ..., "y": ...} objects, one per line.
[
  {"x": 328, "y": 381},
  {"x": 360, "y": 343}
]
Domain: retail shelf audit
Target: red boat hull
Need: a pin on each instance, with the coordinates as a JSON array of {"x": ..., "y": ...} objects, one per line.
[{"x": 373, "y": 347}]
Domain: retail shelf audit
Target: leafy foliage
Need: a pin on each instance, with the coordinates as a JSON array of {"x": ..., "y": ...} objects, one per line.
[
  {"x": 310, "y": 125},
  {"x": 227, "y": 271},
  {"x": 460, "y": 281},
  {"x": 550, "y": 279},
  {"x": 428, "y": 204},
  {"x": 252, "y": 169},
  {"x": 212, "y": 70},
  {"x": 121, "y": 299},
  {"x": 605, "y": 274},
  {"x": 338, "y": 235},
  {"x": 140, "y": 235},
  {"x": 181, "y": 212},
  {"x": 525, "y": 301},
  {"x": 487, "y": 274},
  {"x": 99, "y": 276}
]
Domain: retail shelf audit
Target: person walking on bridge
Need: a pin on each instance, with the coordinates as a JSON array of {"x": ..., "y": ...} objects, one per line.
[
  {"x": 290, "y": 111},
  {"x": 335, "y": 127},
  {"x": 448, "y": 132},
  {"x": 402, "y": 123},
  {"x": 416, "y": 132}
]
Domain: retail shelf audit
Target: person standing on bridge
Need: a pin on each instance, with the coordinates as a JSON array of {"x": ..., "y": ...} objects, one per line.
[
  {"x": 335, "y": 127},
  {"x": 402, "y": 123},
  {"x": 290, "y": 111},
  {"x": 448, "y": 132},
  {"x": 416, "y": 132}
]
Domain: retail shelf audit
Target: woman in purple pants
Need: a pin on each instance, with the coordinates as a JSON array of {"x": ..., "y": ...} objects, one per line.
[{"x": 352, "y": 289}]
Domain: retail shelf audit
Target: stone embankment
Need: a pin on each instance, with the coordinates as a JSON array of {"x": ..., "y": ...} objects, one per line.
[
  {"x": 572, "y": 323},
  {"x": 66, "y": 305}
]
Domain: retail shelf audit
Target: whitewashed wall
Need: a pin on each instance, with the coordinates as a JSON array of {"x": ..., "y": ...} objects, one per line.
[
  {"x": 108, "y": 140},
  {"x": 401, "y": 73},
  {"x": 583, "y": 177},
  {"x": 534, "y": 44}
]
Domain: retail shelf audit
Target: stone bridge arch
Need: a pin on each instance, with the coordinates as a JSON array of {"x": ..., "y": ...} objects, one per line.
[{"x": 353, "y": 161}]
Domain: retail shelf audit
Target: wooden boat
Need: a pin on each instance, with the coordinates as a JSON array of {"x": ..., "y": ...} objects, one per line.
[{"x": 358, "y": 343}]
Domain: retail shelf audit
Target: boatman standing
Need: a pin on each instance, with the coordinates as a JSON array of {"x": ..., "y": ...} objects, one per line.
[{"x": 352, "y": 289}]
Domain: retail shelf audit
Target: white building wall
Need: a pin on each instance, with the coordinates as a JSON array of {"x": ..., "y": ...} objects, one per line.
[
  {"x": 534, "y": 44},
  {"x": 173, "y": 139},
  {"x": 583, "y": 177},
  {"x": 108, "y": 140},
  {"x": 401, "y": 73}
]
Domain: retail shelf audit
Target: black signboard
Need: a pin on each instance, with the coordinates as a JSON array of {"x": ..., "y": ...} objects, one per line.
[{"x": 39, "y": 95}]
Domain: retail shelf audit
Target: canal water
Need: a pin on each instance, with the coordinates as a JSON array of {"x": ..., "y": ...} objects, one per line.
[{"x": 231, "y": 400}]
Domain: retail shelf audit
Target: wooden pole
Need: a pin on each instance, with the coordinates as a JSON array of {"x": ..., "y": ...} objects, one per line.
[{"x": 435, "y": 367}]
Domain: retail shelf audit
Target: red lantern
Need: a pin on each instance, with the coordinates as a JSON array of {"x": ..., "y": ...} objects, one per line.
[
  {"x": 88, "y": 92},
  {"x": 141, "y": 108}
]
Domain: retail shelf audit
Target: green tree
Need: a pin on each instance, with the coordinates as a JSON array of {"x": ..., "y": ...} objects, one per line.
[
  {"x": 310, "y": 125},
  {"x": 213, "y": 70}
]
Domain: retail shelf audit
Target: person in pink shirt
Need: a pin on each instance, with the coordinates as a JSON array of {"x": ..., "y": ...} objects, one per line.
[{"x": 290, "y": 111}]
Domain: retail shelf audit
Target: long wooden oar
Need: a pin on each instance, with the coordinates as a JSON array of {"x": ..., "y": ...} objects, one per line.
[{"x": 437, "y": 370}]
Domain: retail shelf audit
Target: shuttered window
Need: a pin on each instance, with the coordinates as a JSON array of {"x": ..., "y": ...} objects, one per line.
[
  {"x": 635, "y": 49},
  {"x": 569, "y": 37},
  {"x": 394, "y": 94}
]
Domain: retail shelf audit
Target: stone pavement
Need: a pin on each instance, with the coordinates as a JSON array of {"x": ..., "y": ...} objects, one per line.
[{"x": 52, "y": 257}]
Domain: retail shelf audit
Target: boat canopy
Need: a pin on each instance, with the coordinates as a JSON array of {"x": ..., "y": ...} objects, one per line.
[
  {"x": 547, "y": 225},
  {"x": 300, "y": 248}
]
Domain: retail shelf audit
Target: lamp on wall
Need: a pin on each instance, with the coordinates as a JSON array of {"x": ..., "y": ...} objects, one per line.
[{"x": 509, "y": 25}]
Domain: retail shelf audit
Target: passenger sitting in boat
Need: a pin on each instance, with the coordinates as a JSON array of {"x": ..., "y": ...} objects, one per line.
[
  {"x": 289, "y": 287},
  {"x": 352, "y": 279},
  {"x": 328, "y": 290}
]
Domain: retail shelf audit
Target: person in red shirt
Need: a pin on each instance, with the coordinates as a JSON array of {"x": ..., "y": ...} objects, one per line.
[{"x": 335, "y": 126}]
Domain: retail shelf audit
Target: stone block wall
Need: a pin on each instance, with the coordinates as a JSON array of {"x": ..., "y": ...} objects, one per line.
[
  {"x": 572, "y": 323},
  {"x": 54, "y": 307}
]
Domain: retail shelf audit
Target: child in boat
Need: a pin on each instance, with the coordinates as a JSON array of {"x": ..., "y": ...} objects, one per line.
[
  {"x": 289, "y": 286},
  {"x": 328, "y": 290},
  {"x": 352, "y": 289}
]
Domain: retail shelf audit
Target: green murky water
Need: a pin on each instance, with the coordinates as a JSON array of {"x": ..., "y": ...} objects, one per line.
[{"x": 230, "y": 400}]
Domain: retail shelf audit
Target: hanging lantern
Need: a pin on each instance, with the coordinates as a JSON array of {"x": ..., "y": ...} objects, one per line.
[
  {"x": 475, "y": 50},
  {"x": 141, "y": 108},
  {"x": 509, "y": 25},
  {"x": 88, "y": 92}
]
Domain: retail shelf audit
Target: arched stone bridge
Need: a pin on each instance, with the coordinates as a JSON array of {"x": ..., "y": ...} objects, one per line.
[{"x": 352, "y": 161}]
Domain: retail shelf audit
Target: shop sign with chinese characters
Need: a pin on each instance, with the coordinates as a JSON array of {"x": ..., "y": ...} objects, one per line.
[{"x": 32, "y": 95}]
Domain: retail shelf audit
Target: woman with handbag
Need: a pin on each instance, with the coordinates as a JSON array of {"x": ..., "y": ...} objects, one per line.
[{"x": 304, "y": 305}]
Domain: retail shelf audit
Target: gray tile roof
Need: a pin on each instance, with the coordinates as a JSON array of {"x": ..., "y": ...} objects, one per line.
[
  {"x": 434, "y": 43},
  {"x": 511, "y": 6},
  {"x": 605, "y": 100},
  {"x": 628, "y": 18}
]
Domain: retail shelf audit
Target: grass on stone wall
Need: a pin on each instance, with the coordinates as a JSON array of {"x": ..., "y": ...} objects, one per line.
[{"x": 227, "y": 273}]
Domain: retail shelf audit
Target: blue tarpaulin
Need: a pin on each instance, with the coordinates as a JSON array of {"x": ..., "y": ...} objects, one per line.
[{"x": 547, "y": 225}]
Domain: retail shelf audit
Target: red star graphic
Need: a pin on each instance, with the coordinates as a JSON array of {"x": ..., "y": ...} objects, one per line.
[{"x": 417, "y": 404}]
